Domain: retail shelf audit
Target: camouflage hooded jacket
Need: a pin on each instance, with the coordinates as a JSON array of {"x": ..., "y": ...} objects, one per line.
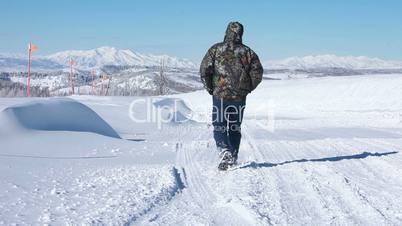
[{"x": 231, "y": 70}]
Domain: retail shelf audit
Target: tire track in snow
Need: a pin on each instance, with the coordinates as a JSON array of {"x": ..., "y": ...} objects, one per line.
[
  {"x": 178, "y": 209},
  {"x": 335, "y": 210},
  {"x": 248, "y": 141},
  {"x": 206, "y": 197},
  {"x": 200, "y": 202},
  {"x": 393, "y": 163},
  {"x": 346, "y": 184},
  {"x": 287, "y": 190},
  {"x": 361, "y": 167},
  {"x": 199, "y": 191},
  {"x": 288, "y": 193},
  {"x": 379, "y": 192}
]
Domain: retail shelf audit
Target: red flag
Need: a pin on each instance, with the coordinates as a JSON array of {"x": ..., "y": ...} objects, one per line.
[
  {"x": 72, "y": 62},
  {"x": 32, "y": 47}
]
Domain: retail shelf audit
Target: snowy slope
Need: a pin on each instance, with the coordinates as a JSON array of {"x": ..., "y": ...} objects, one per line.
[
  {"x": 331, "y": 61},
  {"x": 319, "y": 151}
]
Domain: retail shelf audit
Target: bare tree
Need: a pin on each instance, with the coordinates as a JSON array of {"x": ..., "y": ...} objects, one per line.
[
  {"x": 15, "y": 89},
  {"x": 108, "y": 85}
]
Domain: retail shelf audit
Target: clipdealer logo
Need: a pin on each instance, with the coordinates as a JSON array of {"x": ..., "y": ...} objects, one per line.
[
  {"x": 156, "y": 112},
  {"x": 167, "y": 110}
]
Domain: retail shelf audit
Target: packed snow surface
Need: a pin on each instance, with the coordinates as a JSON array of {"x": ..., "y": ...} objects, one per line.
[{"x": 319, "y": 151}]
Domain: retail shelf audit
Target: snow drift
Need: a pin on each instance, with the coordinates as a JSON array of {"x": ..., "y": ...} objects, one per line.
[
  {"x": 59, "y": 114},
  {"x": 173, "y": 110}
]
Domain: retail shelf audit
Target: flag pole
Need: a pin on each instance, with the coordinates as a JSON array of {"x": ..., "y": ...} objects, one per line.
[
  {"x": 93, "y": 82},
  {"x": 29, "y": 70},
  {"x": 71, "y": 76}
]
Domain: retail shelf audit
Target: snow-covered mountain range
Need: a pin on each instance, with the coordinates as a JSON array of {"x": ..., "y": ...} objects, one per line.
[
  {"x": 90, "y": 59},
  {"x": 138, "y": 74},
  {"x": 106, "y": 56},
  {"x": 332, "y": 61},
  {"x": 103, "y": 56},
  {"x": 130, "y": 73},
  {"x": 96, "y": 58}
]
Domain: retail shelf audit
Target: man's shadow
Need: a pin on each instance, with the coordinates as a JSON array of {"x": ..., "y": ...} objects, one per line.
[{"x": 329, "y": 159}]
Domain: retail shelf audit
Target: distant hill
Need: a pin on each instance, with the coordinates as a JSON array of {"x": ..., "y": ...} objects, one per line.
[{"x": 332, "y": 61}]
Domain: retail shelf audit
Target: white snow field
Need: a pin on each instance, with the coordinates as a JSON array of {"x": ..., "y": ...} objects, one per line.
[{"x": 318, "y": 151}]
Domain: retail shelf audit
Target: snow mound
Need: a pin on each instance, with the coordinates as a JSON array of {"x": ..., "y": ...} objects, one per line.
[
  {"x": 58, "y": 114},
  {"x": 173, "y": 110}
]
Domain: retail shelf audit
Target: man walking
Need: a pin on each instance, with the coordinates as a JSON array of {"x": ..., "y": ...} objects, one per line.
[{"x": 229, "y": 71}]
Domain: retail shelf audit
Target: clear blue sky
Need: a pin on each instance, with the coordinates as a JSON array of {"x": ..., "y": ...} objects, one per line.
[{"x": 273, "y": 28}]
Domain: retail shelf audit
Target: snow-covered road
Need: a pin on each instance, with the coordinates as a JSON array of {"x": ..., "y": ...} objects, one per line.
[
  {"x": 333, "y": 156},
  {"x": 289, "y": 182}
]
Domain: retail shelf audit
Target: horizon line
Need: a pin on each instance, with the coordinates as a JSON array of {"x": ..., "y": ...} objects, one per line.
[{"x": 20, "y": 54}]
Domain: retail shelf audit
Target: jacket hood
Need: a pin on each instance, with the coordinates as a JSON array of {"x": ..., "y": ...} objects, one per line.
[{"x": 234, "y": 33}]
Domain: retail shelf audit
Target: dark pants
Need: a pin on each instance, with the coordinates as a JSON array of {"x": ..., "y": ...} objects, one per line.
[{"x": 227, "y": 116}]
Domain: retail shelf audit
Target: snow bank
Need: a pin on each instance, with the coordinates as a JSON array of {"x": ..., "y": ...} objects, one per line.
[
  {"x": 174, "y": 110},
  {"x": 58, "y": 114}
]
